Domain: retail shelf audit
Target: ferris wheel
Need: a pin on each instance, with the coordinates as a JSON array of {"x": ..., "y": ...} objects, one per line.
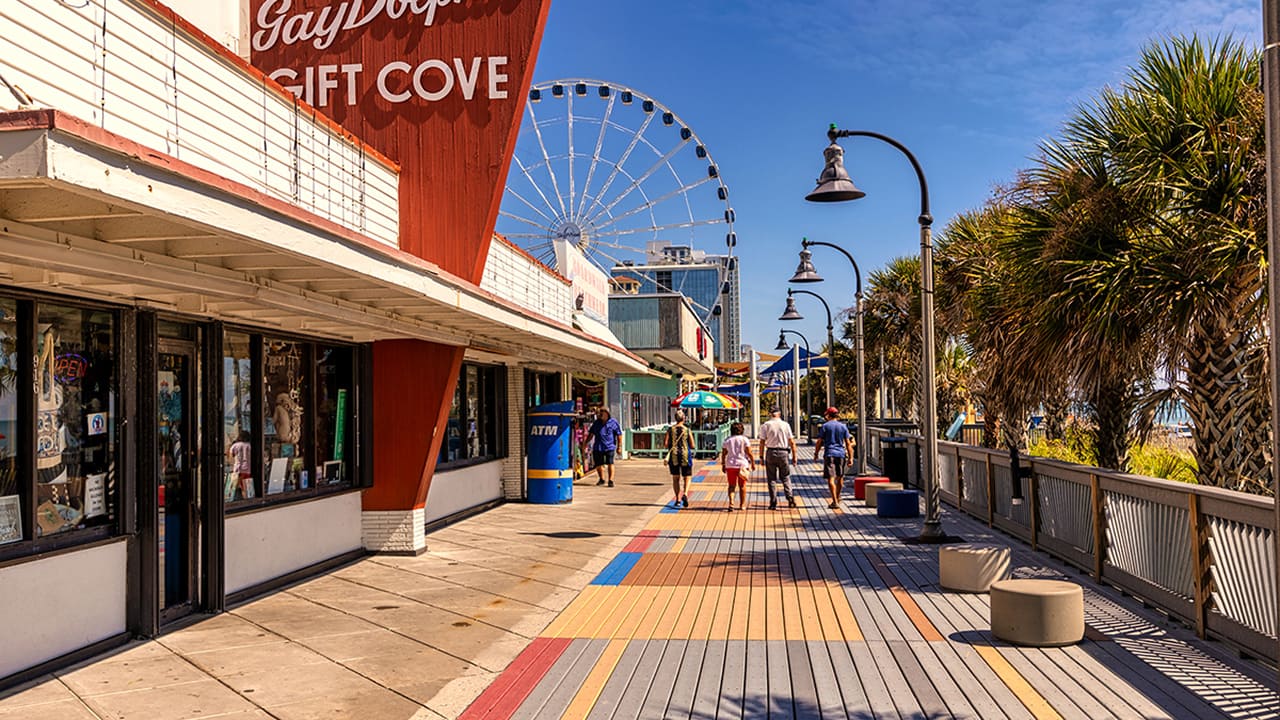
[{"x": 618, "y": 175}]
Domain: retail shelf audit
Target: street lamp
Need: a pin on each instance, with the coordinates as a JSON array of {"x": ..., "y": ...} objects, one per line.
[
  {"x": 808, "y": 391},
  {"x": 790, "y": 313},
  {"x": 1271, "y": 95},
  {"x": 806, "y": 273},
  {"x": 834, "y": 185}
]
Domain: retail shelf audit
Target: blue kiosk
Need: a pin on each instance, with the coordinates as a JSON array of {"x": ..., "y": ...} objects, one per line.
[{"x": 551, "y": 453}]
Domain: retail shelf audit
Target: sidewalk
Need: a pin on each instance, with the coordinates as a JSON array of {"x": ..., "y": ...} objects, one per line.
[{"x": 384, "y": 637}]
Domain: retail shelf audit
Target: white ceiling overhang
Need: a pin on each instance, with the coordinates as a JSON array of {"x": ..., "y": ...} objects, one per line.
[{"x": 94, "y": 214}]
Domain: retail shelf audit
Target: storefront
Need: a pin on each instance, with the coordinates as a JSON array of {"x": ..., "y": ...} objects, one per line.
[{"x": 221, "y": 366}]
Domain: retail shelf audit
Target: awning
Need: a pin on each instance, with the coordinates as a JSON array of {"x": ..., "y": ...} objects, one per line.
[
  {"x": 88, "y": 210},
  {"x": 595, "y": 328},
  {"x": 786, "y": 362}
]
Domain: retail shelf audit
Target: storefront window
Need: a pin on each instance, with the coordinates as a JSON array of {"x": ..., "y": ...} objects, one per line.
[
  {"x": 237, "y": 417},
  {"x": 299, "y": 436},
  {"x": 75, "y": 419},
  {"x": 475, "y": 445},
  {"x": 285, "y": 407},
  {"x": 335, "y": 379},
  {"x": 476, "y": 426},
  {"x": 451, "y": 448},
  {"x": 12, "y": 529}
]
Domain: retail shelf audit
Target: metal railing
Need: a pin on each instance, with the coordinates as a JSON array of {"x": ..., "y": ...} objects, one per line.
[
  {"x": 649, "y": 441},
  {"x": 1202, "y": 554}
]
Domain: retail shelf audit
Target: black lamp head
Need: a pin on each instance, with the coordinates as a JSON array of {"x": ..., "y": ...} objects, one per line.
[
  {"x": 805, "y": 272},
  {"x": 790, "y": 313},
  {"x": 782, "y": 342},
  {"x": 834, "y": 184}
]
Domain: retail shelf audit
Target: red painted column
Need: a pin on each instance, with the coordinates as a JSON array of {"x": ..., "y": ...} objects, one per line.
[{"x": 413, "y": 383}]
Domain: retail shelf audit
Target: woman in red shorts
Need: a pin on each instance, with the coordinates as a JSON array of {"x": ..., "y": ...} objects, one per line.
[{"x": 735, "y": 456}]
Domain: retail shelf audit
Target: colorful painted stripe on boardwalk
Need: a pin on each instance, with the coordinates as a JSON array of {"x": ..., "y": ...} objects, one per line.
[
  {"x": 504, "y": 696},
  {"x": 725, "y": 596}
]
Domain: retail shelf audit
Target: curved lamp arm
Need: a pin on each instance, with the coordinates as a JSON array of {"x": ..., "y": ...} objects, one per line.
[
  {"x": 926, "y": 218},
  {"x": 857, "y": 274},
  {"x": 825, "y": 306},
  {"x": 802, "y": 338}
]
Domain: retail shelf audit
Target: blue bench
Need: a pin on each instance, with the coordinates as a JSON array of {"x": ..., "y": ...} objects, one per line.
[{"x": 898, "y": 503}]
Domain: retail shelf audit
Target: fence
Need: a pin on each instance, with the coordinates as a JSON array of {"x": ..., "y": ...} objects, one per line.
[{"x": 1202, "y": 554}]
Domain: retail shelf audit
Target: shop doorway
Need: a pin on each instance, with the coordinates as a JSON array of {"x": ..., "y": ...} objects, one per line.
[{"x": 177, "y": 477}]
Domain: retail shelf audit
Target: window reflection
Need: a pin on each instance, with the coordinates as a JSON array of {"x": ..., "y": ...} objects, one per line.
[{"x": 75, "y": 418}]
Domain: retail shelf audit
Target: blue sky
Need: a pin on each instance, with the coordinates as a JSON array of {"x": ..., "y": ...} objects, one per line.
[{"x": 970, "y": 88}]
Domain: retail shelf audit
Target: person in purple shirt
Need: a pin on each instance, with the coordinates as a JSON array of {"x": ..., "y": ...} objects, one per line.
[
  {"x": 603, "y": 436},
  {"x": 834, "y": 440}
]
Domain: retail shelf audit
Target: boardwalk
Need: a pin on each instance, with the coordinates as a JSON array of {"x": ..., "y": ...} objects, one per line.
[
  {"x": 812, "y": 612},
  {"x": 614, "y": 607}
]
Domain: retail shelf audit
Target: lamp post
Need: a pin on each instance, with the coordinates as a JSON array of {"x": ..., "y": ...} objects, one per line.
[
  {"x": 806, "y": 273},
  {"x": 1271, "y": 92},
  {"x": 790, "y": 313},
  {"x": 808, "y": 391},
  {"x": 834, "y": 185}
]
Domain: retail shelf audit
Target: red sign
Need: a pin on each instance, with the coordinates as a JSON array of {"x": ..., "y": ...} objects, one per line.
[{"x": 436, "y": 85}]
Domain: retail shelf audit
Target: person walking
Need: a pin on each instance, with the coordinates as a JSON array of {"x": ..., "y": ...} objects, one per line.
[
  {"x": 603, "y": 437},
  {"x": 679, "y": 444},
  {"x": 735, "y": 457},
  {"x": 778, "y": 448},
  {"x": 834, "y": 442}
]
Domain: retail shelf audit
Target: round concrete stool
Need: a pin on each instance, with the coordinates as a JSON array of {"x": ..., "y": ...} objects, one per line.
[
  {"x": 898, "y": 503},
  {"x": 1041, "y": 613},
  {"x": 972, "y": 568},
  {"x": 873, "y": 490},
  {"x": 860, "y": 485}
]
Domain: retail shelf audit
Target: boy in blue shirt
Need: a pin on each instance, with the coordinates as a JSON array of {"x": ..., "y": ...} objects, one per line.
[
  {"x": 833, "y": 442},
  {"x": 604, "y": 434}
]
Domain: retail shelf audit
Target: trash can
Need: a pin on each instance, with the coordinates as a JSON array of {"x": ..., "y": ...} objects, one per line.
[
  {"x": 551, "y": 453},
  {"x": 893, "y": 454}
]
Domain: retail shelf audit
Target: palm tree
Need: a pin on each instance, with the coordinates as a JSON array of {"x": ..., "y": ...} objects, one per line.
[
  {"x": 980, "y": 299},
  {"x": 1184, "y": 137},
  {"x": 891, "y": 324}
]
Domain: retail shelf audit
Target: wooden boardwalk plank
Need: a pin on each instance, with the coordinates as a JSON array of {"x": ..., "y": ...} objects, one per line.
[
  {"x": 651, "y": 693},
  {"x": 589, "y": 691},
  {"x": 755, "y": 693},
  {"x": 780, "y": 692},
  {"x": 804, "y": 690},
  {"x": 551, "y": 697},
  {"x": 611, "y": 694},
  {"x": 852, "y": 694},
  {"x": 683, "y": 691}
]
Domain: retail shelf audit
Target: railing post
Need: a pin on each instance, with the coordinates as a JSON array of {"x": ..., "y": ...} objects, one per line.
[
  {"x": 991, "y": 491},
  {"x": 1099, "y": 527},
  {"x": 1200, "y": 562},
  {"x": 959, "y": 480},
  {"x": 1034, "y": 498}
]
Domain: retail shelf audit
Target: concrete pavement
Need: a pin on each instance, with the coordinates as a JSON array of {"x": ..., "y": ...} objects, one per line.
[{"x": 384, "y": 637}]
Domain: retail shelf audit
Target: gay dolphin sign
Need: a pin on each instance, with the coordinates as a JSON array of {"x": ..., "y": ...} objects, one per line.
[{"x": 436, "y": 85}]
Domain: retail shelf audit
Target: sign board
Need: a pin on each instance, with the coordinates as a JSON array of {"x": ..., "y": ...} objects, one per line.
[
  {"x": 95, "y": 495},
  {"x": 588, "y": 281},
  {"x": 436, "y": 85},
  {"x": 10, "y": 519}
]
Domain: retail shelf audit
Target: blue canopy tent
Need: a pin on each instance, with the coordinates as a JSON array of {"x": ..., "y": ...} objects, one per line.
[
  {"x": 784, "y": 364},
  {"x": 743, "y": 390}
]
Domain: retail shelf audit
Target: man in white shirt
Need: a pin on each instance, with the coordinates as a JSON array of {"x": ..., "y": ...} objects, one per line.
[{"x": 778, "y": 448}]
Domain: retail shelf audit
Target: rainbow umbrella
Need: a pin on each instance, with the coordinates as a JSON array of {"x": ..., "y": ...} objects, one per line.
[{"x": 706, "y": 399}]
